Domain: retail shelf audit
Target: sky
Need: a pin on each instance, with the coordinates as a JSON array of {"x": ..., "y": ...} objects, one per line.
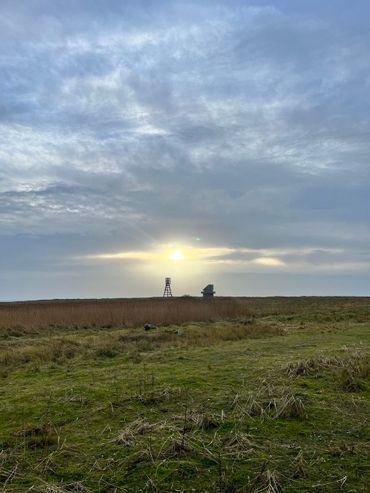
[{"x": 222, "y": 142}]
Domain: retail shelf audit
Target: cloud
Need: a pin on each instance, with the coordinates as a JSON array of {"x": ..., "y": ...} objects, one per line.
[
  {"x": 268, "y": 261},
  {"x": 290, "y": 260},
  {"x": 130, "y": 124}
]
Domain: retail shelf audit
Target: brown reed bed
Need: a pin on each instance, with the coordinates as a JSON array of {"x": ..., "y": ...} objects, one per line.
[
  {"x": 30, "y": 316},
  {"x": 115, "y": 313}
]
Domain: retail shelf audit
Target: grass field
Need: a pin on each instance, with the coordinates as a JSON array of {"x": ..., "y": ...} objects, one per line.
[{"x": 240, "y": 395}]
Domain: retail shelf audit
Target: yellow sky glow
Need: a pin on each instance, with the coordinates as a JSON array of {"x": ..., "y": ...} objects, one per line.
[
  {"x": 176, "y": 255},
  {"x": 268, "y": 261},
  {"x": 193, "y": 255}
]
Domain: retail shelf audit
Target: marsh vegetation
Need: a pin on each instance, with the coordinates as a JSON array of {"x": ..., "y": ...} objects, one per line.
[{"x": 248, "y": 395}]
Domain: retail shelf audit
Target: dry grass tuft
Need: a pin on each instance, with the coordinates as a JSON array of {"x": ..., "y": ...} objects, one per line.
[
  {"x": 266, "y": 482},
  {"x": 156, "y": 396},
  {"x": 141, "y": 426},
  {"x": 270, "y": 403},
  {"x": 34, "y": 431},
  {"x": 175, "y": 447},
  {"x": 311, "y": 366},
  {"x": 9, "y": 467},
  {"x": 289, "y": 406},
  {"x": 145, "y": 455},
  {"x": 299, "y": 466},
  {"x": 39, "y": 437},
  {"x": 76, "y": 487},
  {"x": 353, "y": 368},
  {"x": 200, "y": 421},
  {"x": 358, "y": 362},
  {"x": 239, "y": 444},
  {"x": 342, "y": 450},
  {"x": 352, "y": 379}
]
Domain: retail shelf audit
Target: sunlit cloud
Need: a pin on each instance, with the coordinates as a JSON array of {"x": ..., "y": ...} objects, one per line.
[
  {"x": 123, "y": 256},
  {"x": 163, "y": 252},
  {"x": 269, "y": 261},
  {"x": 190, "y": 259},
  {"x": 212, "y": 256}
]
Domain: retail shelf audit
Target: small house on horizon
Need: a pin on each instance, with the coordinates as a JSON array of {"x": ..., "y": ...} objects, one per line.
[{"x": 208, "y": 291}]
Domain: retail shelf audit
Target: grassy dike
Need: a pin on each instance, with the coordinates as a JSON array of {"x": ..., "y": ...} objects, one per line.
[{"x": 255, "y": 404}]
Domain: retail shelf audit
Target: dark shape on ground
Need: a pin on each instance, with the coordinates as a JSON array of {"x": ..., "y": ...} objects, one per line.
[{"x": 150, "y": 326}]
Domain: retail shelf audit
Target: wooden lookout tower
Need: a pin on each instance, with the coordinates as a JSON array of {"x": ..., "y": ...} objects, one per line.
[{"x": 167, "y": 288}]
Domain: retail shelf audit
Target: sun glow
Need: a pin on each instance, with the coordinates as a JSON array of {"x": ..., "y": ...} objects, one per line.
[
  {"x": 176, "y": 255},
  {"x": 189, "y": 260}
]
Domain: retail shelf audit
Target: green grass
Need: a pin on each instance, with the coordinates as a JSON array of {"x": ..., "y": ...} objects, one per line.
[{"x": 256, "y": 404}]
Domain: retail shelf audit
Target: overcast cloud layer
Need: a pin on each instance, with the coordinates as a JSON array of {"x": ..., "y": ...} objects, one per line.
[{"x": 238, "y": 130}]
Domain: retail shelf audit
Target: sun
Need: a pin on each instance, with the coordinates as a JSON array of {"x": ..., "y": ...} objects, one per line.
[{"x": 176, "y": 255}]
